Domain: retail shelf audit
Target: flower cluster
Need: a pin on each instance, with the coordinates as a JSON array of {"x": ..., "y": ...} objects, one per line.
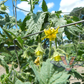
[
  {"x": 39, "y": 53},
  {"x": 50, "y": 33}
]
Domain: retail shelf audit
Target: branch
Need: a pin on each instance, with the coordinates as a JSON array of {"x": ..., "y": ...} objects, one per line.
[
  {"x": 21, "y": 9},
  {"x": 16, "y": 54},
  {"x": 3, "y": 2}
]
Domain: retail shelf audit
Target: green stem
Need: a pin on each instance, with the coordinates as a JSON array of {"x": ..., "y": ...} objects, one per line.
[
  {"x": 50, "y": 44},
  {"x": 41, "y": 60},
  {"x": 31, "y": 3},
  {"x": 75, "y": 46},
  {"x": 10, "y": 81},
  {"x": 16, "y": 54},
  {"x": 56, "y": 43}
]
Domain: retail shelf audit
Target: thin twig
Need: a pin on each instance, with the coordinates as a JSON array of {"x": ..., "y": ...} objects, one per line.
[
  {"x": 21, "y": 9},
  {"x": 71, "y": 24},
  {"x": 13, "y": 7},
  {"x": 32, "y": 34},
  {"x": 3, "y": 2},
  {"x": 55, "y": 28},
  {"x": 16, "y": 54},
  {"x": 15, "y": 14}
]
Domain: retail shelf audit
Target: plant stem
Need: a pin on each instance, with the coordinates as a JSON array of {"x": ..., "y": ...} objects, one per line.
[
  {"x": 15, "y": 14},
  {"x": 16, "y": 54},
  {"x": 31, "y": 5},
  {"x": 56, "y": 43},
  {"x": 50, "y": 44}
]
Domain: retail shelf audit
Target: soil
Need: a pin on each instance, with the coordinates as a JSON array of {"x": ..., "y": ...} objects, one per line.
[
  {"x": 72, "y": 79},
  {"x": 2, "y": 69}
]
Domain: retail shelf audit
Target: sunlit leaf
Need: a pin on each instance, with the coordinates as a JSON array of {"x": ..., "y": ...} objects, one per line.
[
  {"x": 44, "y": 6},
  {"x": 50, "y": 74},
  {"x": 20, "y": 82},
  {"x": 20, "y": 40},
  {"x": 34, "y": 24}
]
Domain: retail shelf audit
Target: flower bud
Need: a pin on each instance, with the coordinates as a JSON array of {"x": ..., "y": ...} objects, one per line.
[
  {"x": 56, "y": 56},
  {"x": 25, "y": 54},
  {"x": 39, "y": 50},
  {"x": 37, "y": 61}
]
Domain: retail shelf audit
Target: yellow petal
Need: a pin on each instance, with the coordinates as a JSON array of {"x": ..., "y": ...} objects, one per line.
[
  {"x": 37, "y": 61},
  {"x": 50, "y": 33},
  {"x": 57, "y": 58}
]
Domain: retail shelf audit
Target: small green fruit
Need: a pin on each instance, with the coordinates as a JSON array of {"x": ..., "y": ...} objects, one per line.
[{"x": 3, "y": 7}]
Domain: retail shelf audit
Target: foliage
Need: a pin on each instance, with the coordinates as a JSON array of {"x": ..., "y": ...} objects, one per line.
[
  {"x": 78, "y": 11},
  {"x": 71, "y": 31},
  {"x": 18, "y": 81},
  {"x": 49, "y": 74},
  {"x": 34, "y": 24},
  {"x": 4, "y": 64},
  {"x": 32, "y": 49},
  {"x": 2, "y": 2},
  {"x": 10, "y": 58},
  {"x": 44, "y": 6}
]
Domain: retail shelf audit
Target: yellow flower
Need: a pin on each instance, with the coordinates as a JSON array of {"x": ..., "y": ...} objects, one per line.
[
  {"x": 39, "y": 50},
  {"x": 50, "y": 33},
  {"x": 37, "y": 61},
  {"x": 66, "y": 55},
  {"x": 39, "y": 53},
  {"x": 57, "y": 58}
]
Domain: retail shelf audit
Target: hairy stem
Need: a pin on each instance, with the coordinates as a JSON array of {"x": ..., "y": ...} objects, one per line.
[{"x": 50, "y": 44}]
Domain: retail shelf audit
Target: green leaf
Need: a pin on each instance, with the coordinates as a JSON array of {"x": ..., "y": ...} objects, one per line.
[
  {"x": 44, "y": 6},
  {"x": 75, "y": 74},
  {"x": 23, "y": 0},
  {"x": 2, "y": 2},
  {"x": 58, "y": 13},
  {"x": 56, "y": 21},
  {"x": 24, "y": 67},
  {"x": 50, "y": 74},
  {"x": 71, "y": 31},
  {"x": 20, "y": 82},
  {"x": 69, "y": 21},
  {"x": 59, "y": 36},
  {"x": 1, "y": 45},
  {"x": 18, "y": 44},
  {"x": 60, "y": 22},
  {"x": 4, "y": 64},
  {"x": 23, "y": 24},
  {"x": 12, "y": 31},
  {"x": 5, "y": 50},
  {"x": 34, "y": 24},
  {"x": 80, "y": 52},
  {"x": 20, "y": 41},
  {"x": 3, "y": 12},
  {"x": 8, "y": 35},
  {"x": 75, "y": 18}
]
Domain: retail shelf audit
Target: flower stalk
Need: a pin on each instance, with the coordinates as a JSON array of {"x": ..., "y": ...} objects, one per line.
[
  {"x": 50, "y": 45},
  {"x": 56, "y": 43}
]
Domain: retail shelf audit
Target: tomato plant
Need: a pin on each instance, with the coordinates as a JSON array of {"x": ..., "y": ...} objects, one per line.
[{"x": 39, "y": 62}]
